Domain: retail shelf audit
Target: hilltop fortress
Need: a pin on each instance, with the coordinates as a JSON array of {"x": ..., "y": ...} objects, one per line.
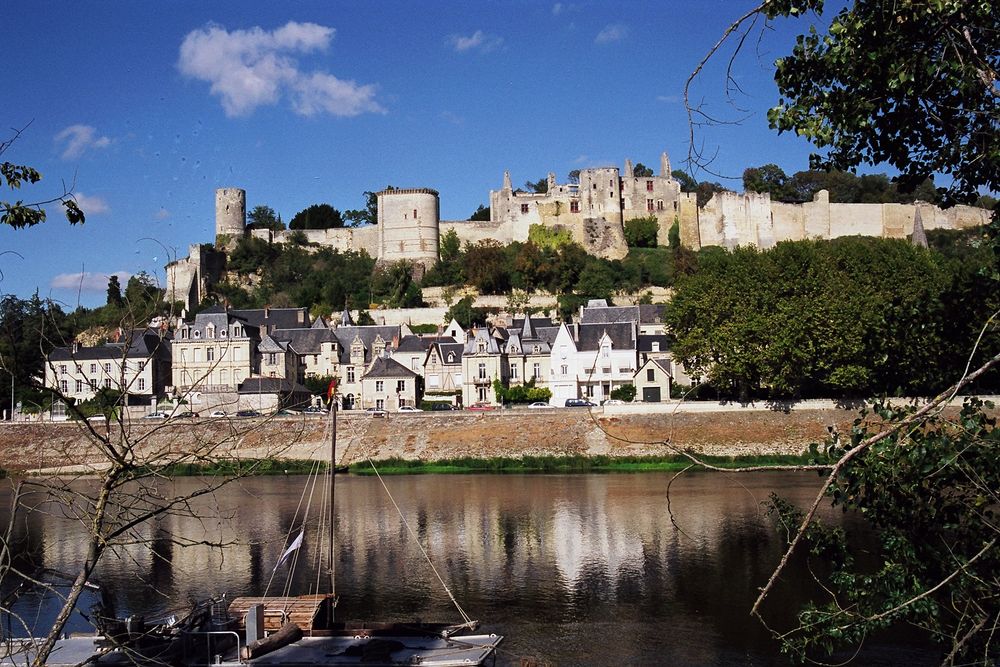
[{"x": 593, "y": 210}]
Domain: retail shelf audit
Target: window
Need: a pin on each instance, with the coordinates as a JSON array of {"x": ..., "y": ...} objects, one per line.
[
  {"x": 649, "y": 204},
  {"x": 482, "y": 371},
  {"x": 482, "y": 346},
  {"x": 107, "y": 367},
  {"x": 63, "y": 386},
  {"x": 649, "y": 186},
  {"x": 223, "y": 377},
  {"x": 197, "y": 354},
  {"x": 210, "y": 331},
  {"x": 197, "y": 334},
  {"x": 222, "y": 334},
  {"x": 210, "y": 354},
  {"x": 400, "y": 385},
  {"x": 380, "y": 403},
  {"x": 415, "y": 365},
  {"x": 236, "y": 355},
  {"x": 93, "y": 385},
  {"x": 379, "y": 385},
  {"x": 272, "y": 358},
  {"x": 184, "y": 332},
  {"x": 513, "y": 371},
  {"x": 482, "y": 393},
  {"x": 62, "y": 369},
  {"x": 611, "y": 183},
  {"x": 107, "y": 383},
  {"x": 272, "y": 374},
  {"x": 79, "y": 386},
  {"x": 659, "y": 204},
  {"x": 656, "y": 346},
  {"x": 536, "y": 349},
  {"x": 142, "y": 366},
  {"x": 524, "y": 208},
  {"x": 536, "y": 371},
  {"x": 451, "y": 357},
  {"x": 414, "y": 214},
  {"x": 350, "y": 374},
  {"x": 142, "y": 384},
  {"x": 650, "y": 375},
  {"x": 93, "y": 368},
  {"x": 574, "y": 206},
  {"x": 564, "y": 369}
]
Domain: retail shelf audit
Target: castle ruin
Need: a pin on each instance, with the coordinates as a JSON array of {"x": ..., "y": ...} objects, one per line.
[{"x": 593, "y": 210}]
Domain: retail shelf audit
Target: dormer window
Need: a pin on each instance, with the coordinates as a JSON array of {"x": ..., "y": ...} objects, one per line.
[
  {"x": 656, "y": 346},
  {"x": 197, "y": 334},
  {"x": 482, "y": 346},
  {"x": 222, "y": 334},
  {"x": 451, "y": 357},
  {"x": 536, "y": 348},
  {"x": 210, "y": 331}
]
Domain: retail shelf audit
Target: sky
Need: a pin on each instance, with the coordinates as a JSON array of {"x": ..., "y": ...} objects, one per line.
[{"x": 143, "y": 109}]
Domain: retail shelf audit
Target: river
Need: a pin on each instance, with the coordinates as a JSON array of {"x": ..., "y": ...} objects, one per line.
[{"x": 572, "y": 569}]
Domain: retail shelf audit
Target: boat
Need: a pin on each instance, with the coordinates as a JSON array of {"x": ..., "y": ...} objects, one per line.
[{"x": 293, "y": 631}]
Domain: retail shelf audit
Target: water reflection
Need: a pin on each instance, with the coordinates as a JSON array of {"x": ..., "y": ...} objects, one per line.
[{"x": 580, "y": 569}]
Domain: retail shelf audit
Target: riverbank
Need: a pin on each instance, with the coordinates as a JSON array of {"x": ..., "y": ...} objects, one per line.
[
  {"x": 34, "y": 447},
  {"x": 614, "y": 432}
]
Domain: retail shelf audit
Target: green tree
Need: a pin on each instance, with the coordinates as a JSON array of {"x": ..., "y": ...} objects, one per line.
[
  {"x": 641, "y": 232},
  {"x": 369, "y": 214},
  {"x": 481, "y": 214},
  {"x": 317, "y": 216},
  {"x": 485, "y": 266},
  {"x": 574, "y": 176},
  {"x": 540, "y": 186},
  {"x": 768, "y": 178},
  {"x": 626, "y": 393},
  {"x": 913, "y": 85},
  {"x": 114, "y": 292},
  {"x": 264, "y": 217},
  {"x": 642, "y": 171},
  {"x": 20, "y": 214}
]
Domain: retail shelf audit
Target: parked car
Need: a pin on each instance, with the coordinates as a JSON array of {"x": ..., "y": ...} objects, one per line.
[
  {"x": 613, "y": 401},
  {"x": 187, "y": 415},
  {"x": 97, "y": 418},
  {"x": 314, "y": 410},
  {"x": 217, "y": 413},
  {"x": 408, "y": 408},
  {"x": 482, "y": 407},
  {"x": 248, "y": 413},
  {"x": 441, "y": 406},
  {"x": 156, "y": 415},
  {"x": 540, "y": 405},
  {"x": 375, "y": 412},
  {"x": 579, "y": 403},
  {"x": 286, "y": 413}
]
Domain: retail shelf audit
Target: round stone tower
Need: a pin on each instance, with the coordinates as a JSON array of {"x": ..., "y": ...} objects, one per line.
[
  {"x": 409, "y": 226},
  {"x": 230, "y": 215}
]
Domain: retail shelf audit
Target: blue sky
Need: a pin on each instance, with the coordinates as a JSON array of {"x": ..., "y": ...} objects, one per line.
[{"x": 146, "y": 108}]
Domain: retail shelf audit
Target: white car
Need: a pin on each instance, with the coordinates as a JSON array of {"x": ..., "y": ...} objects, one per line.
[
  {"x": 157, "y": 415},
  {"x": 408, "y": 408},
  {"x": 539, "y": 406},
  {"x": 217, "y": 413}
]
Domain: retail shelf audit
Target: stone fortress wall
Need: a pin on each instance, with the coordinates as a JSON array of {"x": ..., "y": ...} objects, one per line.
[{"x": 593, "y": 211}]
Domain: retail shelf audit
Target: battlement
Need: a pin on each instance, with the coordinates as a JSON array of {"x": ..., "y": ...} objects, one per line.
[{"x": 408, "y": 191}]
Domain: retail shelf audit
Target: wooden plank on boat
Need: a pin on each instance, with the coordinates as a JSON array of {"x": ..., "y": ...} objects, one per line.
[{"x": 302, "y": 610}]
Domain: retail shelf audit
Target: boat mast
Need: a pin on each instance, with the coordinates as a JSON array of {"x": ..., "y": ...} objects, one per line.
[{"x": 333, "y": 492}]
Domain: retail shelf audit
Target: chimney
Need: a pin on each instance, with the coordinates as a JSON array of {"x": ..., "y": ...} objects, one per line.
[
  {"x": 267, "y": 311},
  {"x": 76, "y": 346}
]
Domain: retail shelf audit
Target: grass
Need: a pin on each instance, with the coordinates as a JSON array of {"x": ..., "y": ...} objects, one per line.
[
  {"x": 229, "y": 467},
  {"x": 566, "y": 464}
]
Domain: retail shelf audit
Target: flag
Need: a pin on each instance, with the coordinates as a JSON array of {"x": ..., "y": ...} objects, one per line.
[
  {"x": 331, "y": 390},
  {"x": 296, "y": 543}
]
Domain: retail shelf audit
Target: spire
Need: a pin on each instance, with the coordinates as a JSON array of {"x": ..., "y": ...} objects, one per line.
[
  {"x": 664, "y": 164},
  {"x": 345, "y": 318},
  {"x": 919, "y": 236},
  {"x": 506, "y": 181},
  {"x": 527, "y": 330}
]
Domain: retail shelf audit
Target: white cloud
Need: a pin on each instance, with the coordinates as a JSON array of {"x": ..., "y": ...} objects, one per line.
[
  {"x": 477, "y": 41},
  {"x": 251, "y": 68},
  {"x": 612, "y": 33},
  {"x": 87, "y": 281},
  {"x": 77, "y": 139},
  {"x": 90, "y": 205}
]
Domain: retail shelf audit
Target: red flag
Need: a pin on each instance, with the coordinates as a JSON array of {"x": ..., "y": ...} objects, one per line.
[{"x": 331, "y": 390}]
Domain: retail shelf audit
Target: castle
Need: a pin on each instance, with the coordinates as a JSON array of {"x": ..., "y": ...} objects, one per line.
[{"x": 593, "y": 211}]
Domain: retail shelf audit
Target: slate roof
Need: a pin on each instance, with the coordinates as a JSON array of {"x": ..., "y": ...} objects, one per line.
[
  {"x": 646, "y": 342},
  {"x": 589, "y": 336},
  {"x": 270, "y": 319},
  {"x": 384, "y": 367},
  {"x": 144, "y": 343},
  {"x": 454, "y": 348},
  {"x": 305, "y": 341},
  {"x": 472, "y": 342},
  {"x": 643, "y": 314},
  {"x": 548, "y": 334},
  {"x": 268, "y": 344},
  {"x": 662, "y": 364},
  {"x": 368, "y": 334},
  {"x": 220, "y": 319},
  {"x": 413, "y": 344}
]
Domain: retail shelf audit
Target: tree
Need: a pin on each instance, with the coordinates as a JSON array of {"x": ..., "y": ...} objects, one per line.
[
  {"x": 574, "y": 176},
  {"x": 481, "y": 214},
  {"x": 641, "y": 170},
  {"x": 264, "y": 217},
  {"x": 540, "y": 186},
  {"x": 914, "y": 86},
  {"x": 19, "y": 214},
  {"x": 769, "y": 178},
  {"x": 641, "y": 232},
  {"x": 115, "y": 292},
  {"x": 369, "y": 214},
  {"x": 485, "y": 266},
  {"x": 317, "y": 216}
]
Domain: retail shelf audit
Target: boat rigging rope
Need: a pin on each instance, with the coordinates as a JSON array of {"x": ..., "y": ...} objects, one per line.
[
  {"x": 465, "y": 617},
  {"x": 291, "y": 528}
]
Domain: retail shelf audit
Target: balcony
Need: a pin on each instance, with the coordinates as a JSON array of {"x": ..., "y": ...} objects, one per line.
[{"x": 483, "y": 381}]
